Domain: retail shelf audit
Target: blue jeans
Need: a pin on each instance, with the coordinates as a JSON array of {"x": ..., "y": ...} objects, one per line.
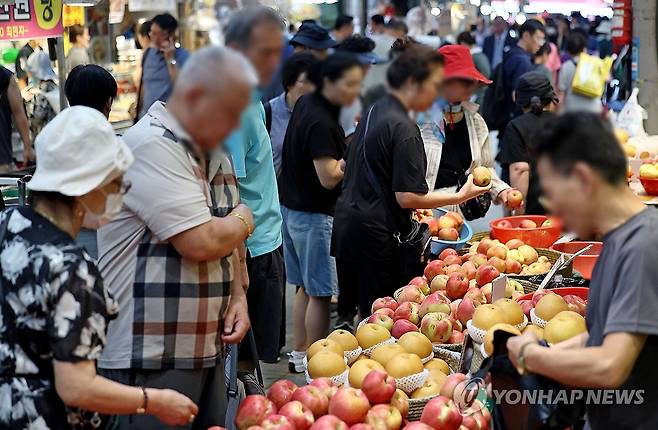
[{"x": 306, "y": 251}]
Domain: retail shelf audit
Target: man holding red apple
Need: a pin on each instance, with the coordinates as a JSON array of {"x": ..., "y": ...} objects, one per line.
[{"x": 583, "y": 176}]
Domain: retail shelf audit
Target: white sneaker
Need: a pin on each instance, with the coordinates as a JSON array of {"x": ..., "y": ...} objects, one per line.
[{"x": 296, "y": 361}]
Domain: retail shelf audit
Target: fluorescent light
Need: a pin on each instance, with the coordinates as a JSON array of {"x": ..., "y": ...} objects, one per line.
[
  {"x": 486, "y": 9},
  {"x": 475, "y": 3},
  {"x": 83, "y": 3},
  {"x": 435, "y": 11},
  {"x": 520, "y": 19}
]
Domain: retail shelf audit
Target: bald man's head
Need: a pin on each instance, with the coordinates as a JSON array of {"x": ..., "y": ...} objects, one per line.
[{"x": 211, "y": 91}]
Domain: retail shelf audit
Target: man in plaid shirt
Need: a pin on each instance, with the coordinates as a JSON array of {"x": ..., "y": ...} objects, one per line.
[{"x": 174, "y": 256}]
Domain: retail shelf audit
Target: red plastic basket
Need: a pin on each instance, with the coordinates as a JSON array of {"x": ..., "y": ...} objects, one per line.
[
  {"x": 576, "y": 291},
  {"x": 650, "y": 186},
  {"x": 585, "y": 263},
  {"x": 540, "y": 237}
]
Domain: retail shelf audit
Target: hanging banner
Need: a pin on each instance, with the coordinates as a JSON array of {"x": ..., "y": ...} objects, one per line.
[
  {"x": 116, "y": 11},
  {"x": 31, "y": 19},
  {"x": 151, "y": 5},
  {"x": 73, "y": 15}
]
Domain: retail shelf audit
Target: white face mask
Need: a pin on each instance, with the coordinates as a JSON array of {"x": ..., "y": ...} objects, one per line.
[{"x": 113, "y": 206}]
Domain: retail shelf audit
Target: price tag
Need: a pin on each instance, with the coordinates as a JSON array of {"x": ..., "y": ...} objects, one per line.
[{"x": 498, "y": 288}]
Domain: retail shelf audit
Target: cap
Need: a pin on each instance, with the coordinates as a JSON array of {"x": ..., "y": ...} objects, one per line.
[
  {"x": 370, "y": 58},
  {"x": 534, "y": 84},
  {"x": 76, "y": 152},
  {"x": 458, "y": 64},
  {"x": 39, "y": 65},
  {"x": 313, "y": 36}
]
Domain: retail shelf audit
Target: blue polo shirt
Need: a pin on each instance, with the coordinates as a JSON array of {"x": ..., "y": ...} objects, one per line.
[
  {"x": 515, "y": 64},
  {"x": 156, "y": 82},
  {"x": 251, "y": 151}
]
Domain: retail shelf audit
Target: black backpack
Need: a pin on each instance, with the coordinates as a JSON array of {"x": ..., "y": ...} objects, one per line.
[{"x": 494, "y": 105}]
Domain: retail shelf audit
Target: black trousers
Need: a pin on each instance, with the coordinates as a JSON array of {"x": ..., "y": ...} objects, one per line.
[
  {"x": 360, "y": 284},
  {"x": 265, "y": 298}
]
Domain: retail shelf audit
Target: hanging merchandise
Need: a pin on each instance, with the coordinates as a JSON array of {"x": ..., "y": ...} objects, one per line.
[
  {"x": 632, "y": 116},
  {"x": 622, "y": 23}
]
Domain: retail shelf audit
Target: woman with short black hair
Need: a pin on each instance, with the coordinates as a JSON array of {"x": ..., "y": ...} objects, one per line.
[
  {"x": 92, "y": 86},
  {"x": 311, "y": 171},
  {"x": 384, "y": 182}
]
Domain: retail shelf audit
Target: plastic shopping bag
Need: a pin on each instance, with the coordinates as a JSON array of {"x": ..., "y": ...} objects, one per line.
[
  {"x": 632, "y": 116},
  {"x": 591, "y": 76}
]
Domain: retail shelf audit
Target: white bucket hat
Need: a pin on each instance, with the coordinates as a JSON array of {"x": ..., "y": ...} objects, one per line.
[{"x": 76, "y": 152}]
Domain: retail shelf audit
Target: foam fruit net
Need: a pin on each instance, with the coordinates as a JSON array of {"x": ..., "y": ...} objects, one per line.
[
  {"x": 428, "y": 358},
  {"x": 536, "y": 320},
  {"x": 369, "y": 351},
  {"x": 476, "y": 334},
  {"x": 338, "y": 380},
  {"x": 523, "y": 325},
  {"x": 412, "y": 382},
  {"x": 352, "y": 355}
]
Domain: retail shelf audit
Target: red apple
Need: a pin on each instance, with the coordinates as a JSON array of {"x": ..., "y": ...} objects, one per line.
[
  {"x": 504, "y": 224},
  {"x": 447, "y": 222},
  {"x": 449, "y": 234},
  {"x": 281, "y": 392},
  {"x": 421, "y": 282},
  {"x": 433, "y": 268},
  {"x": 475, "y": 421},
  {"x": 277, "y": 422},
  {"x": 411, "y": 293},
  {"x": 497, "y": 263},
  {"x": 350, "y": 405},
  {"x": 400, "y": 401},
  {"x": 437, "y": 327},
  {"x": 526, "y": 223},
  {"x": 526, "y": 305},
  {"x": 514, "y": 199},
  {"x": 478, "y": 260},
  {"x": 298, "y": 414},
  {"x": 486, "y": 274},
  {"x": 408, "y": 311},
  {"x": 361, "y": 426},
  {"x": 466, "y": 309},
  {"x": 475, "y": 294},
  {"x": 484, "y": 246},
  {"x": 457, "y": 337},
  {"x": 467, "y": 257},
  {"x": 486, "y": 292},
  {"x": 329, "y": 422},
  {"x": 576, "y": 304},
  {"x": 441, "y": 413},
  {"x": 439, "y": 283},
  {"x": 451, "y": 382},
  {"x": 537, "y": 295},
  {"x": 417, "y": 425},
  {"x": 382, "y": 320},
  {"x": 435, "y": 302},
  {"x": 514, "y": 244},
  {"x": 452, "y": 259},
  {"x": 384, "y": 417},
  {"x": 378, "y": 387},
  {"x": 253, "y": 410},
  {"x": 250, "y": 428},
  {"x": 385, "y": 311},
  {"x": 456, "y": 324},
  {"x": 325, "y": 386},
  {"x": 512, "y": 266},
  {"x": 469, "y": 270},
  {"x": 454, "y": 305},
  {"x": 433, "y": 225},
  {"x": 456, "y": 286},
  {"x": 497, "y": 251},
  {"x": 313, "y": 399},
  {"x": 454, "y": 268},
  {"x": 384, "y": 302},
  {"x": 457, "y": 217},
  {"x": 446, "y": 252},
  {"x": 401, "y": 327}
]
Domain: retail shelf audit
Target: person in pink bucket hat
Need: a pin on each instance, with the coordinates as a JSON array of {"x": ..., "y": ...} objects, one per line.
[{"x": 456, "y": 136}]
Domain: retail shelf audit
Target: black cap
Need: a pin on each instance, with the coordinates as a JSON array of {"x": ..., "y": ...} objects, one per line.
[
  {"x": 534, "y": 84},
  {"x": 313, "y": 36}
]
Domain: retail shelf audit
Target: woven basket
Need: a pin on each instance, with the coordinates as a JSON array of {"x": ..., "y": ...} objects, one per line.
[
  {"x": 477, "y": 237},
  {"x": 450, "y": 357},
  {"x": 552, "y": 257},
  {"x": 416, "y": 407},
  {"x": 453, "y": 347}
]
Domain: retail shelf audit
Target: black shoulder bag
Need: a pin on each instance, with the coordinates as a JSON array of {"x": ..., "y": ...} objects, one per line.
[{"x": 414, "y": 247}]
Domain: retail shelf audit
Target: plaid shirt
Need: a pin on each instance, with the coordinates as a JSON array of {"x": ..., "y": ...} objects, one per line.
[{"x": 179, "y": 304}]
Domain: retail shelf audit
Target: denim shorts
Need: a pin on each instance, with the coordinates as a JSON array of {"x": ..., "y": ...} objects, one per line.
[{"x": 306, "y": 247}]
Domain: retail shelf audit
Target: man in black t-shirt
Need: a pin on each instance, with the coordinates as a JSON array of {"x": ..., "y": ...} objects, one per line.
[{"x": 583, "y": 176}]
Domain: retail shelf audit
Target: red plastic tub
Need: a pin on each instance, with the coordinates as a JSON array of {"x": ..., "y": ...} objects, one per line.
[
  {"x": 540, "y": 237},
  {"x": 583, "y": 263},
  {"x": 650, "y": 186},
  {"x": 576, "y": 291}
]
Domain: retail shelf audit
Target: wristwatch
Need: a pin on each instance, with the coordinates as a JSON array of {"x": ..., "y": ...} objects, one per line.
[{"x": 173, "y": 62}]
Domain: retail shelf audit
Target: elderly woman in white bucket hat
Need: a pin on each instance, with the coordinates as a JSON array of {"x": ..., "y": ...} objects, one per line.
[{"x": 54, "y": 308}]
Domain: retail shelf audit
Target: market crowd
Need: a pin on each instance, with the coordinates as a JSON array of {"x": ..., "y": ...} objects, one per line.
[{"x": 292, "y": 158}]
